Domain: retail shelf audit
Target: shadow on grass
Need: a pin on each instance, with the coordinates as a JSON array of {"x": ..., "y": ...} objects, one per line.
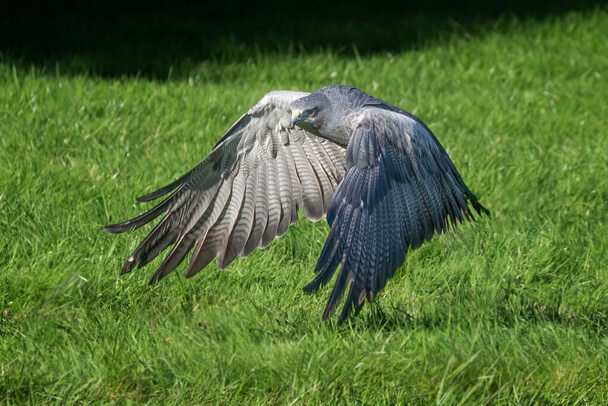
[
  {"x": 164, "y": 40},
  {"x": 388, "y": 318}
]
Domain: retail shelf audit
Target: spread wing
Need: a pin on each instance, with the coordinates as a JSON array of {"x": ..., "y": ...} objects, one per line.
[
  {"x": 399, "y": 189},
  {"x": 244, "y": 194}
]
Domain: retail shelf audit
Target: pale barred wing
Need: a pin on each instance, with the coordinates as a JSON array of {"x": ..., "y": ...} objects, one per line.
[
  {"x": 399, "y": 189},
  {"x": 244, "y": 194}
]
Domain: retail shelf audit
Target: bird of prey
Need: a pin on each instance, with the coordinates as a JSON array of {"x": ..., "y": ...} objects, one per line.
[{"x": 377, "y": 172}]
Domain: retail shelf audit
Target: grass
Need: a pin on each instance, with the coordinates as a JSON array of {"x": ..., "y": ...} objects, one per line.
[{"x": 512, "y": 309}]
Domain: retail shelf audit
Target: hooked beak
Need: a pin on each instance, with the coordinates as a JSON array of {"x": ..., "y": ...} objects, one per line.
[{"x": 295, "y": 116}]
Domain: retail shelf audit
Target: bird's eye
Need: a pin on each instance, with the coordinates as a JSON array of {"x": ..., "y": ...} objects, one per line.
[{"x": 312, "y": 112}]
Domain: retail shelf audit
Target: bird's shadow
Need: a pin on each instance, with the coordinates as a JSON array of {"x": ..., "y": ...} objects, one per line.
[{"x": 390, "y": 318}]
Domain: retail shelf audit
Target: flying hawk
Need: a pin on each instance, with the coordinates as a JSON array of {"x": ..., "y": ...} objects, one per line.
[{"x": 377, "y": 172}]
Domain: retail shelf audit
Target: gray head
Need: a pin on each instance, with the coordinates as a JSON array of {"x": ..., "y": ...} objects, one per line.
[{"x": 325, "y": 112}]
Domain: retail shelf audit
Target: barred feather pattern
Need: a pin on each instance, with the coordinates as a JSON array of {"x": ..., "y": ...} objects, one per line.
[
  {"x": 400, "y": 189},
  {"x": 391, "y": 189},
  {"x": 243, "y": 195}
]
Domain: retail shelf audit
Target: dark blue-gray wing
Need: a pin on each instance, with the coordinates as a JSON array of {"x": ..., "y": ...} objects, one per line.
[{"x": 399, "y": 189}]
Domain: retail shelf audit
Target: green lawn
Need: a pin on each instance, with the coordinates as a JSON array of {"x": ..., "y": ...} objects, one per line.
[{"x": 512, "y": 309}]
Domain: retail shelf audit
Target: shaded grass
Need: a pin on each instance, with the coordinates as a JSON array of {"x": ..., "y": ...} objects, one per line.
[
  {"x": 163, "y": 40},
  {"x": 511, "y": 309}
]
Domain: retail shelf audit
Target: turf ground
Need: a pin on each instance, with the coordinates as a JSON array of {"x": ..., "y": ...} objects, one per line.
[{"x": 512, "y": 309}]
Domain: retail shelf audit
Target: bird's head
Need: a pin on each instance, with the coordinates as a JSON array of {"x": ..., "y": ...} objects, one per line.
[
  {"x": 311, "y": 112},
  {"x": 326, "y": 111}
]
